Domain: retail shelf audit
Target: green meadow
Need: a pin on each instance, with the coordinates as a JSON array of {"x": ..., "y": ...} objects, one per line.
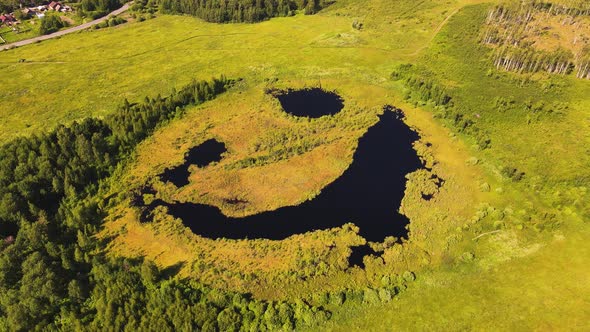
[
  {"x": 151, "y": 57},
  {"x": 502, "y": 246}
]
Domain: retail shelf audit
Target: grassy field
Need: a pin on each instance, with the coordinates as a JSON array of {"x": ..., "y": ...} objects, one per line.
[
  {"x": 153, "y": 56},
  {"x": 26, "y": 30},
  {"x": 542, "y": 291},
  {"x": 516, "y": 280},
  {"x": 548, "y": 143},
  {"x": 486, "y": 246}
]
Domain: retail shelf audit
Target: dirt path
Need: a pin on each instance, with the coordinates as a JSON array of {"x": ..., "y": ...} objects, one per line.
[
  {"x": 66, "y": 31},
  {"x": 436, "y": 31}
]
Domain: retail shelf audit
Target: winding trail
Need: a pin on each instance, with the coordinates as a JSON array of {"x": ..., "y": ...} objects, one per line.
[
  {"x": 66, "y": 31},
  {"x": 436, "y": 31}
]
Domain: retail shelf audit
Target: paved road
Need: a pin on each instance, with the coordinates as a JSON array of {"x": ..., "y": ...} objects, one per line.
[{"x": 66, "y": 31}]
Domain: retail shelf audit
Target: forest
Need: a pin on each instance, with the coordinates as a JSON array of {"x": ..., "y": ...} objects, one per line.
[
  {"x": 51, "y": 24},
  {"x": 98, "y": 8},
  {"x": 240, "y": 10},
  {"x": 7, "y": 6}
]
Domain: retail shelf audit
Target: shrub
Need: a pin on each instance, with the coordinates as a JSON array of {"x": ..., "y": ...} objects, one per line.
[
  {"x": 50, "y": 24},
  {"x": 512, "y": 173},
  {"x": 371, "y": 296}
]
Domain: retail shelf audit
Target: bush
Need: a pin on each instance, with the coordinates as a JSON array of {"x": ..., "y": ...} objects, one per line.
[
  {"x": 357, "y": 25},
  {"x": 371, "y": 296},
  {"x": 114, "y": 21},
  {"x": 409, "y": 276},
  {"x": 99, "y": 5},
  {"x": 50, "y": 24},
  {"x": 512, "y": 173}
]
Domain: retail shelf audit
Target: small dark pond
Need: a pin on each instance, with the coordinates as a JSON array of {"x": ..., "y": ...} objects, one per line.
[
  {"x": 201, "y": 156},
  {"x": 358, "y": 254},
  {"x": 311, "y": 102},
  {"x": 368, "y": 194}
]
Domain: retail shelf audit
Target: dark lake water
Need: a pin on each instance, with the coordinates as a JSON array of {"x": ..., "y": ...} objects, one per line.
[
  {"x": 201, "y": 156},
  {"x": 311, "y": 102},
  {"x": 368, "y": 194}
]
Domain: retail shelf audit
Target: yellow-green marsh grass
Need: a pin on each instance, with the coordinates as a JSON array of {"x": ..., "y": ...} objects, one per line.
[{"x": 243, "y": 117}]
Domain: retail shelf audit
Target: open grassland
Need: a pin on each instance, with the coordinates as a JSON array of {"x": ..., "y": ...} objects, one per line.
[
  {"x": 481, "y": 240},
  {"x": 89, "y": 73},
  {"x": 544, "y": 290},
  {"x": 511, "y": 282},
  {"x": 537, "y": 123}
]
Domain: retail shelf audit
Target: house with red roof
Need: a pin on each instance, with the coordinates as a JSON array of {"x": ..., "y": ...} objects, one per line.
[
  {"x": 54, "y": 5},
  {"x": 7, "y": 19}
]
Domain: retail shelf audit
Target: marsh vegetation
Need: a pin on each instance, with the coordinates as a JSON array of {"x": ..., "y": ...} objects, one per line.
[{"x": 368, "y": 194}]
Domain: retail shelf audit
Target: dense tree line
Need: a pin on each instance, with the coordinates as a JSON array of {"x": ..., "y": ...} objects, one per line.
[
  {"x": 563, "y": 7},
  {"x": 99, "y": 5},
  {"x": 428, "y": 90},
  {"x": 60, "y": 280},
  {"x": 240, "y": 10},
  {"x": 7, "y": 6},
  {"x": 98, "y": 8},
  {"x": 525, "y": 59}
]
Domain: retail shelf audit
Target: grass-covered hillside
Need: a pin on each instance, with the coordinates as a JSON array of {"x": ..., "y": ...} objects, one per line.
[{"x": 498, "y": 212}]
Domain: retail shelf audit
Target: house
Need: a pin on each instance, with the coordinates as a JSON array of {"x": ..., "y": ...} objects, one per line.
[
  {"x": 57, "y": 8},
  {"x": 28, "y": 12},
  {"x": 7, "y": 19},
  {"x": 40, "y": 15},
  {"x": 53, "y": 5}
]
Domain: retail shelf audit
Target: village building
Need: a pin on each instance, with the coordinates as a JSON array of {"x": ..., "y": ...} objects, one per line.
[
  {"x": 54, "y": 5},
  {"x": 7, "y": 19},
  {"x": 28, "y": 13}
]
